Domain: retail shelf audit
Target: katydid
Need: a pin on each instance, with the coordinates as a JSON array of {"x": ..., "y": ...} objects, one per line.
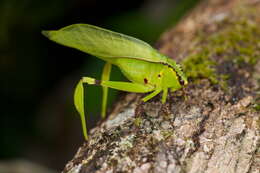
[{"x": 146, "y": 68}]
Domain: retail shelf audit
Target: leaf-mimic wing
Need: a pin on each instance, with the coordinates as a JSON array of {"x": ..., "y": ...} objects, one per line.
[
  {"x": 103, "y": 43},
  {"x": 109, "y": 45}
]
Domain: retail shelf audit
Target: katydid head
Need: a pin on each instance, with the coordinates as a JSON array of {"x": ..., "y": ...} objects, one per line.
[
  {"x": 170, "y": 78},
  {"x": 181, "y": 76},
  {"x": 183, "y": 79}
]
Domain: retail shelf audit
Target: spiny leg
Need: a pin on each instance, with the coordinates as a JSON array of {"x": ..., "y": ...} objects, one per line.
[
  {"x": 105, "y": 77},
  {"x": 148, "y": 97},
  {"x": 164, "y": 96},
  {"x": 123, "y": 86}
]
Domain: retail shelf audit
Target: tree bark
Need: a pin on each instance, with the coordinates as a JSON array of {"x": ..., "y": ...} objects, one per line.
[{"x": 213, "y": 124}]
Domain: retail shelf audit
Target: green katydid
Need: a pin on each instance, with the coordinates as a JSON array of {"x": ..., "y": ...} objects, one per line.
[{"x": 146, "y": 68}]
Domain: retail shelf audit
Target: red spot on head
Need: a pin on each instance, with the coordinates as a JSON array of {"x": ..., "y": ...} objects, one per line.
[{"x": 145, "y": 81}]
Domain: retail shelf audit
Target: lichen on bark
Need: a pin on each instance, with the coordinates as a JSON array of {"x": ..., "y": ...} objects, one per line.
[{"x": 212, "y": 125}]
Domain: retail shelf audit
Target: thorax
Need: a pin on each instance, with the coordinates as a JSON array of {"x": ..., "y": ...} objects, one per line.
[{"x": 140, "y": 71}]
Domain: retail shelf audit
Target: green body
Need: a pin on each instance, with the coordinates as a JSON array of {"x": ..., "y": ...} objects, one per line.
[
  {"x": 151, "y": 74},
  {"x": 145, "y": 67}
]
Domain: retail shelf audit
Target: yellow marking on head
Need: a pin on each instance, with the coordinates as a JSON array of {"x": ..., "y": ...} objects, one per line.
[{"x": 172, "y": 70}]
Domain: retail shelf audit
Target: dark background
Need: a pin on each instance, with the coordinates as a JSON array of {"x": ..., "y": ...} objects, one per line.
[{"x": 38, "y": 119}]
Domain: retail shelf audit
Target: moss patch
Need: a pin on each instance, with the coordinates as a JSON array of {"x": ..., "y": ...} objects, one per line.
[
  {"x": 236, "y": 41},
  {"x": 257, "y": 107},
  {"x": 200, "y": 66},
  {"x": 138, "y": 121}
]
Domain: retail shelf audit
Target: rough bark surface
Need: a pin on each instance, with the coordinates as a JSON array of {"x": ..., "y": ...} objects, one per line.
[{"x": 210, "y": 126}]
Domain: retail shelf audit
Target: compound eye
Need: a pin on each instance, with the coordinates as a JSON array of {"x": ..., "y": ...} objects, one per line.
[{"x": 182, "y": 82}]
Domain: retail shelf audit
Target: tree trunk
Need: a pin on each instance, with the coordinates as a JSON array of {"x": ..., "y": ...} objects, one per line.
[{"x": 213, "y": 124}]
